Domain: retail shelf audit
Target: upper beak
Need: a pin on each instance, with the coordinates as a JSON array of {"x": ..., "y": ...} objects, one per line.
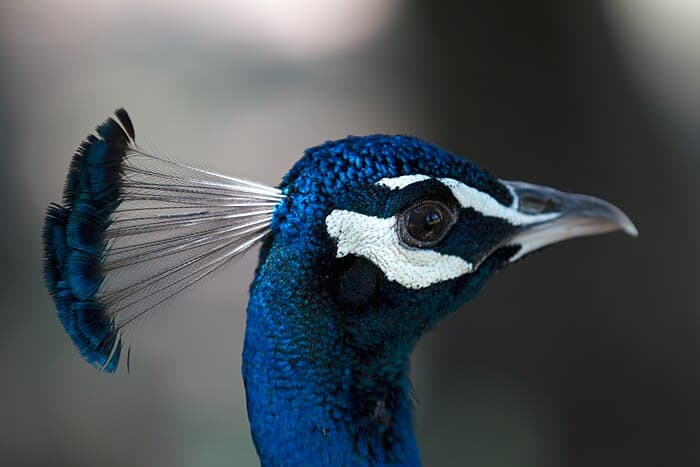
[{"x": 573, "y": 215}]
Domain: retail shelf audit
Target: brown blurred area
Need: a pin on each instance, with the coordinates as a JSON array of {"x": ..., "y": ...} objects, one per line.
[{"x": 584, "y": 355}]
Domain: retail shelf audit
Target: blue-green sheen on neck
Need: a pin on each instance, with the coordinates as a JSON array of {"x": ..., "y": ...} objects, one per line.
[
  {"x": 313, "y": 398},
  {"x": 321, "y": 390}
]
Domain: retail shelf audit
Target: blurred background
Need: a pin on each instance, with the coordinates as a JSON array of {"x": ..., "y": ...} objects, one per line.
[{"x": 587, "y": 354}]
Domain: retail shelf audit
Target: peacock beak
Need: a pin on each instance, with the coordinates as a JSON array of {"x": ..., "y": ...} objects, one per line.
[{"x": 573, "y": 215}]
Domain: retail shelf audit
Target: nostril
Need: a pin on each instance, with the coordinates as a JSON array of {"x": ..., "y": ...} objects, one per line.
[{"x": 530, "y": 204}]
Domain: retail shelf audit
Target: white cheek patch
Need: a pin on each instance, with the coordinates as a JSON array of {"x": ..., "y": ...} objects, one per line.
[{"x": 376, "y": 239}]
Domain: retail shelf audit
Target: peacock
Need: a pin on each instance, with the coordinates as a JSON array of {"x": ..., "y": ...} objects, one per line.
[{"x": 365, "y": 245}]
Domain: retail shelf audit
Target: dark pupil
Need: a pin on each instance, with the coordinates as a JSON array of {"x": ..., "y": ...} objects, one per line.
[{"x": 425, "y": 222}]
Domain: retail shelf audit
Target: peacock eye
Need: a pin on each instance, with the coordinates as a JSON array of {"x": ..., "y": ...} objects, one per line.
[{"x": 425, "y": 224}]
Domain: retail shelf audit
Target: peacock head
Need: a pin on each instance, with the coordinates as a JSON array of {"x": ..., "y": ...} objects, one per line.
[
  {"x": 397, "y": 233},
  {"x": 367, "y": 243},
  {"x": 388, "y": 234}
]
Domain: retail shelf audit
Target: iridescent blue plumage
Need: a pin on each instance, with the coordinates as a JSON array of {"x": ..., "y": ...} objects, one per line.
[{"x": 367, "y": 244}]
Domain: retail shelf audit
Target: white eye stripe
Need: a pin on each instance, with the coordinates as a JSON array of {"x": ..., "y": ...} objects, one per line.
[
  {"x": 469, "y": 197},
  {"x": 398, "y": 183},
  {"x": 516, "y": 199},
  {"x": 376, "y": 239}
]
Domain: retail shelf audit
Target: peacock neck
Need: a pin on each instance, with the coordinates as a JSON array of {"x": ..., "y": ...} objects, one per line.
[{"x": 313, "y": 397}]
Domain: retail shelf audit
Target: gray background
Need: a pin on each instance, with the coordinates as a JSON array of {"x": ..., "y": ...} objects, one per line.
[{"x": 586, "y": 354}]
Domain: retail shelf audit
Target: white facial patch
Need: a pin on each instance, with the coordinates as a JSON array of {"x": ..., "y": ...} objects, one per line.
[{"x": 376, "y": 239}]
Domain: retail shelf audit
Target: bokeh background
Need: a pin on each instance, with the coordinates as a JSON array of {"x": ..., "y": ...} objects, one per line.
[{"x": 587, "y": 354}]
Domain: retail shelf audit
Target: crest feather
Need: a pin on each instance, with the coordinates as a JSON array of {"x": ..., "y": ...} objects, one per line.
[{"x": 136, "y": 229}]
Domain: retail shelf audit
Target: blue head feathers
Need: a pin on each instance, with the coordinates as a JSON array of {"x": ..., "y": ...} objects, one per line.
[{"x": 366, "y": 244}]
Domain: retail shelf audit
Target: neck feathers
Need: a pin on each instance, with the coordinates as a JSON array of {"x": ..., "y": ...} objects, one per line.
[{"x": 314, "y": 398}]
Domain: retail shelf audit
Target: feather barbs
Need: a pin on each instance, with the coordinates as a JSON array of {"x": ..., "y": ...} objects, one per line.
[{"x": 136, "y": 229}]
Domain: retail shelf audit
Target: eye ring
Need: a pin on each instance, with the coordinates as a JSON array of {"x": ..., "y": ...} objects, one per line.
[{"x": 425, "y": 224}]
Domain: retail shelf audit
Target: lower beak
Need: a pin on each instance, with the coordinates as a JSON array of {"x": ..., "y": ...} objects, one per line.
[{"x": 572, "y": 215}]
